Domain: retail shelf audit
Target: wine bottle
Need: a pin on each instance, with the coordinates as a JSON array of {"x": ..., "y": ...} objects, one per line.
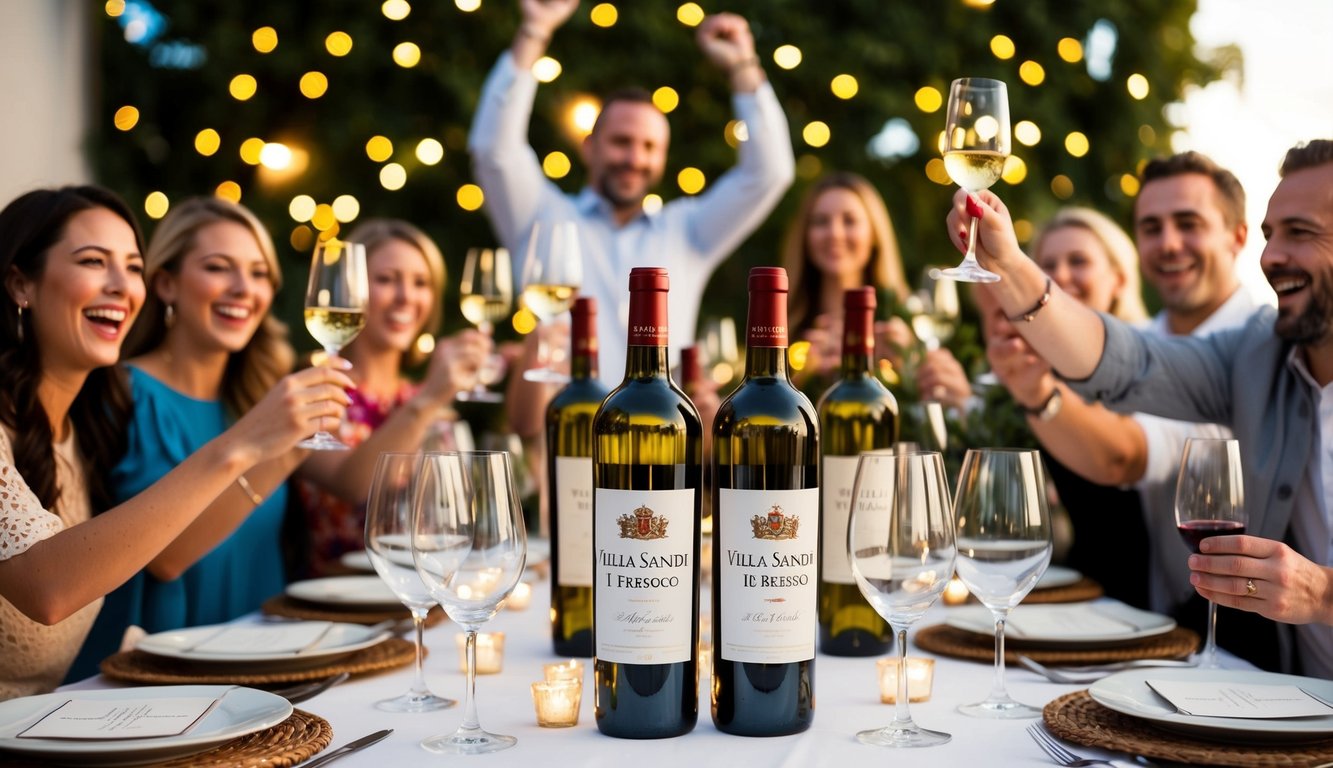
[
  {"x": 647, "y": 454},
  {"x": 765, "y": 534},
  {"x": 856, "y": 414},
  {"x": 569, "y": 484}
]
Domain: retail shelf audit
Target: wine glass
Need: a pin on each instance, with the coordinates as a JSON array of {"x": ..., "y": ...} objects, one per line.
[
  {"x": 393, "y": 491},
  {"x": 935, "y": 308},
  {"x": 901, "y": 544},
  {"x": 1004, "y": 545},
  {"x": 483, "y": 508},
  {"x": 1210, "y": 501},
  {"x": 486, "y": 297},
  {"x": 975, "y": 146},
  {"x": 552, "y": 274},
  {"x": 335, "y": 308}
]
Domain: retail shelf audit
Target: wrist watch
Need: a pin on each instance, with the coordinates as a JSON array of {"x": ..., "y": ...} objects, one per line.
[{"x": 1049, "y": 409}]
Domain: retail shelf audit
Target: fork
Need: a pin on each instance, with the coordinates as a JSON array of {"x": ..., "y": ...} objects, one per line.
[
  {"x": 1056, "y": 750},
  {"x": 1080, "y": 675},
  {"x": 295, "y": 694}
]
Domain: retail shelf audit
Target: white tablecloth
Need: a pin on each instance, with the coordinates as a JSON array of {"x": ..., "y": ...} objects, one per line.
[{"x": 846, "y": 701}]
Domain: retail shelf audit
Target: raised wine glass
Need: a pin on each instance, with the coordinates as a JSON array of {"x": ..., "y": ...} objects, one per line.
[
  {"x": 901, "y": 544},
  {"x": 552, "y": 275},
  {"x": 1210, "y": 501},
  {"x": 1004, "y": 545},
  {"x": 393, "y": 490},
  {"x": 486, "y": 297},
  {"x": 482, "y": 507},
  {"x": 975, "y": 145},
  {"x": 335, "y": 309}
]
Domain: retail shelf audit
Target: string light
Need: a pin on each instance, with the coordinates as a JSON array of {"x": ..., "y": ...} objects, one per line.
[
  {"x": 393, "y": 176},
  {"x": 928, "y": 99},
  {"x": 243, "y": 87},
  {"x": 1015, "y": 170},
  {"x": 156, "y": 205},
  {"x": 379, "y": 148},
  {"x": 275, "y": 156},
  {"x": 844, "y": 86},
  {"x": 250, "y": 150},
  {"x": 652, "y": 203},
  {"x": 430, "y": 151},
  {"x": 114, "y": 8},
  {"x": 264, "y": 39},
  {"x": 395, "y": 10},
  {"x": 314, "y": 85},
  {"x": 935, "y": 172},
  {"x": 301, "y": 208},
  {"x": 787, "y": 56},
  {"x": 1032, "y": 73},
  {"x": 1062, "y": 187},
  {"x": 556, "y": 165},
  {"x": 1129, "y": 184},
  {"x": 1027, "y": 133},
  {"x": 1138, "y": 86},
  {"x": 1003, "y": 47},
  {"x": 690, "y": 14},
  {"x": 690, "y": 180},
  {"x": 126, "y": 118},
  {"x": 524, "y": 321},
  {"x": 546, "y": 69},
  {"x": 346, "y": 208},
  {"x": 406, "y": 55},
  {"x": 583, "y": 115},
  {"x": 302, "y": 238},
  {"x": 666, "y": 99},
  {"x": 604, "y": 15},
  {"x": 1147, "y": 136},
  {"x": 736, "y": 132},
  {"x": 467, "y": 6},
  {"x": 816, "y": 133},
  {"x": 470, "y": 197},
  {"x": 1076, "y": 144},
  {"x": 1070, "y": 50},
  {"x": 338, "y": 43},
  {"x": 323, "y": 218},
  {"x": 229, "y": 190}
]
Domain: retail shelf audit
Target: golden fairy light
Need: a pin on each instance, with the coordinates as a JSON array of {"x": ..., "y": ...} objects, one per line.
[
  {"x": 302, "y": 238},
  {"x": 928, "y": 99},
  {"x": 690, "y": 180},
  {"x": 1070, "y": 50},
  {"x": 406, "y": 55},
  {"x": 379, "y": 148},
  {"x": 395, "y": 10},
  {"x": 470, "y": 197},
  {"x": 467, "y": 6},
  {"x": 666, "y": 99},
  {"x": 323, "y": 218},
  {"x": 346, "y": 208},
  {"x": 935, "y": 172},
  {"x": 393, "y": 176},
  {"x": 243, "y": 87},
  {"x": 264, "y": 39},
  {"x": 1032, "y": 73},
  {"x": 114, "y": 8},
  {"x": 556, "y": 165},
  {"x": 430, "y": 152},
  {"x": 302, "y": 208},
  {"x": 207, "y": 142},
  {"x": 816, "y": 133},
  {"x": 338, "y": 43},
  {"x": 275, "y": 156},
  {"x": 546, "y": 69},
  {"x": 583, "y": 115},
  {"x": 690, "y": 14},
  {"x": 250, "y": 150},
  {"x": 126, "y": 118},
  {"x": 1062, "y": 187},
  {"x": 787, "y": 56},
  {"x": 844, "y": 86},
  {"x": 314, "y": 85},
  {"x": 1076, "y": 144},
  {"x": 156, "y": 205},
  {"x": 1002, "y": 46},
  {"x": 652, "y": 203},
  {"x": 1027, "y": 133},
  {"x": 1015, "y": 170},
  {"x": 604, "y": 15},
  {"x": 1129, "y": 184},
  {"x": 229, "y": 190},
  {"x": 1138, "y": 86},
  {"x": 736, "y": 133}
]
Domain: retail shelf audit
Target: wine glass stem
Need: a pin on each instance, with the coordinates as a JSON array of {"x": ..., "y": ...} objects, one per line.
[
  {"x": 997, "y": 691},
  {"x": 419, "y": 689},
  {"x": 971, "y": 241},
  {"x": 1210, "y": 647},
  {"x": 902, "y": 715},
  {"x": 470, "y": 694}
]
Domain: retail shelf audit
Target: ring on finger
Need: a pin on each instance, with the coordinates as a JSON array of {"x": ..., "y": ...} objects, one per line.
[{"x": 1250, "y": 588}]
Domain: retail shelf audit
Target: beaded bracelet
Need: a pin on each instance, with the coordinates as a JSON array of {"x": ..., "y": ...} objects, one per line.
[
  {"x": 249, "y": 490},
  {"x": 1042, "y": 302}
]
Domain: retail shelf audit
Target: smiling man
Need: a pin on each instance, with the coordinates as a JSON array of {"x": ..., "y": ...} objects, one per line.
[
  {"x": 625, "y": 156},
  {"x": 1270, "y": 381}
]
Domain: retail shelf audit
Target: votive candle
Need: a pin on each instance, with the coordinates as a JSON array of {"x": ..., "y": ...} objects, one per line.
[
  {"x": 920, "y": 676},
  {"x": 519, "y": 599},
  {"x": 490, "y": 652},
  {"x": 564, "y": 670},
  {"x": 557, "y": 702}
]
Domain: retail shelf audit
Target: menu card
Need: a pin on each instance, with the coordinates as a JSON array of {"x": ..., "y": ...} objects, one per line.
[
  {"x": 1221, "y": 699},
  {"x": 265, "y": 639},
  {"x": 101, "y": 719},
  {"x": 1066, "y": 621}
]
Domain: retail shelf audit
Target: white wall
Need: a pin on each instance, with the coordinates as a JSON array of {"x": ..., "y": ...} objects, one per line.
[{"x": 44, "y": 93}]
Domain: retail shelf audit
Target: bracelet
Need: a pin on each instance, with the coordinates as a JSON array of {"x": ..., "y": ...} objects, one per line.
[
  {"x": 526, "y": 30},
  {"x": 1031, "y": 313},
  {"x": 751, "y": 61},
  {"x": 249, "y": 490}
]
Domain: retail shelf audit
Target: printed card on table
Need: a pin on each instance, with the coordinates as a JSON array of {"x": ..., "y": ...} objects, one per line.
[
  {"x": 121, "y": 718},
  {"x": 1215, "y": 699}
]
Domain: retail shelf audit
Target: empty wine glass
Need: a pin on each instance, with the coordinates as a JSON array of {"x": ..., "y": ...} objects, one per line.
[
  {"x": 552, "y": 274},
  {"x": 483, "y": 508},
  {"x": 975, "y": 146},
  {"x": 335, "y": 308},
  {"x": 1210, "y": 501},
  {"x": 901, "y": 544},
  {"x": 486, "y": 296},
  {"x": 393, "y": 491},
  {"x": 1004, "y": 545}
]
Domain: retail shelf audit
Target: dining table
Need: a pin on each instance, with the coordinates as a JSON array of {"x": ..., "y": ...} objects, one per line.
[{"x": 847, "y": 700}]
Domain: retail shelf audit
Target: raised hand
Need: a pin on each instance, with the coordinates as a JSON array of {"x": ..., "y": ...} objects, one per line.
[
  {"x": 726, "y": 40},
  {"x": 941, "y": 378},
  {"x": 299, "y": 404},
  {"x": 1265, "y": 577},
  {"x": 455, "y": 364},
  {"x": 996, "y": 240},
  {"x": 543, "y": 17}
]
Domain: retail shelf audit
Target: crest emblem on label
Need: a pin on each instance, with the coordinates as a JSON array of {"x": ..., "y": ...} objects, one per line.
[
  {"x": 643, "y": 524},
  {"x": 775, "y": 526}
]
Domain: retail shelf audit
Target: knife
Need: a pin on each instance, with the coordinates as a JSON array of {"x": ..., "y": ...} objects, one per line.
[{"x": 348, "y": 748}]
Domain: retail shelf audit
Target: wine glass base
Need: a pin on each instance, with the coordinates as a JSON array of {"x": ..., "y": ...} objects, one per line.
[
  {"x": 480, "y": 396},
  {"x": 970, "y": 273},
  {"x": 468, "y": 742},
  {"x": 411, "y": 702},
  {"x": 1000, "y": 709},
  {"x": 323, "y": 441},
  {"x": 909, "y": 735},
  {"x": 545, "y": 376}
]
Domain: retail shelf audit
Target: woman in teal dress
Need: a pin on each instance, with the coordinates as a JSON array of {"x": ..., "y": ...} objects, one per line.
[{"x": 204, "y": 351}]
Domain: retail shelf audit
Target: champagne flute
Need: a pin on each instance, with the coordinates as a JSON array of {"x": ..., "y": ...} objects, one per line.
[
  {"x": 393, "y": 491},
  {"x": 1210, "y": 501},
  {"x": 482, "y": 508},
  {"x": 552, "y": 274},
  {"x": 1004, "y": 545},
  {"x": 486, "y": 297},
  {"x": 901, "y": 544},
  {"x": 975, "y": 146},
  {"x": 335, "y": 308}
]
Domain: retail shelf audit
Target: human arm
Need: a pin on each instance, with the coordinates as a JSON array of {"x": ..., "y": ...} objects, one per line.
[
  {"x": 1288, "y": 587},
  {"x": 526, "y": 401},
  {"x": 58, "y": 575},
  {"x": 541, "y": 18},
  {"x": 940, "y": 378}
]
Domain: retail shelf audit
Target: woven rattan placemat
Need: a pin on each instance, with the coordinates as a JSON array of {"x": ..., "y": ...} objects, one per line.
[
  {"x": 282, "y": 605},
  {"x": 961, "y": 644},
  {"x": 1079, "y": 591},
  {"x": 1077, "y": 718},
  {"x": 288, "y": 743},
  {"x": 140, "y": 667}
]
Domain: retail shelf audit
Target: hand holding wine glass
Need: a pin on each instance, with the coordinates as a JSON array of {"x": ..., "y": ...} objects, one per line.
[
  {"x": 335, "y": 308},
  {"x": 1210, "y": 501},
  {"x": 901, "y": 544},
  {"x": 1004, "y": 545},
  {"x": 486, "y": 297},
  {"x": 552, "y": 275},
  {"x": 976, "y": 144}
]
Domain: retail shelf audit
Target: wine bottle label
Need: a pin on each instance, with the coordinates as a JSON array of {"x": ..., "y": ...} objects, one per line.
[
  {"x": 768, "y": 574},
  {"x": 573, "y": 492},
  {"x": 643, "y": 601},
  {"x": 836, "y": 479}
]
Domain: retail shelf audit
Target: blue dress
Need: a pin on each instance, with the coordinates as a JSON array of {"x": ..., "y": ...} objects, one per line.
[{"x": 233, "y": 579}]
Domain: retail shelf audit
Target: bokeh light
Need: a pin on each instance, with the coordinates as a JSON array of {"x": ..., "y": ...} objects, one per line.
[
  {"x": 242, "y": 87},
  {"x": 1032, "y": 73},
  {"x": 406, "y": 55},
  {"x": 1076, "y": 144},
  {"x": 787, "y": 56},
  {"x": 395, "y": 10},
  {"x": 301, "y": 208},
  {"x": 1062, "y": 187},
  {"x": 844, "y": 86},
  {"x": 1027, "y": 133},
  {"x": 1137, "y": 85},
  {"x": 346, "y": 208},
  {"x": 1070, "y": 50},
  {"x": 928, "y": 99},
  {"x": 690, "y": 14},
  {"x": 229, "y": 190},
  {"x": 126, "y": 118},
  {"x": 250, "y": 150},
  {"x": 470, "y": 197},
  {"x": 264, "y": 39},
  {"x": 314, "y": 85},
  {"x": 690, "y": 180},
  {"x": 393, "y": 176},
  {"x": 379, "y": 148},
  {"x": 156, "y": 205},
  {"x": 430, "y": 151},
  {"x": 604, "y": 15},
  {"x": 546, "y": 69},
  {"x": 816, "y": 133},
  {"x": 666, "y": 99},
  {"x": 338, "y": 43},
  {"x": 556, "y": 165},
  {"x": 1002, "y": 47}
]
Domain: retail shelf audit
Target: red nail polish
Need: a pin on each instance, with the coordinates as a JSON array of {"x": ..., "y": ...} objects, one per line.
[{"x": 974, "y": 208}]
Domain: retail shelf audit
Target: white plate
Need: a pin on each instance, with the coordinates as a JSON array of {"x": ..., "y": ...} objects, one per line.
[
  {"x": 1099, "y": 623},
  {"x": 1129, "y": 694},
  {"x": 341, "y": 640},
  {"x": 357, "y": 560},
  {"x": 242, "y": 711},
  {"x": 346, "y": 591},
  {"x": 1058, "y": 576}
]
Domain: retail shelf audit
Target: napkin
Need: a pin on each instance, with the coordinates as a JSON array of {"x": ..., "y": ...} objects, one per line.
[
  {"x": 98, "y": 719},
  {"x": 267, "y": 639},
  {"x": 1066, "y": 622}
]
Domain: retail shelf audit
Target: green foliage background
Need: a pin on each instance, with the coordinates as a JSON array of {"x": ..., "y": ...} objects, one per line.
[{"x": 892, "y": 47}]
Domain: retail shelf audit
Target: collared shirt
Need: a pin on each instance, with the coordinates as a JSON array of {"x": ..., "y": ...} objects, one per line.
[
  {"x": 1312, "y": 520},
  {"x": 689, "y": 236},
  {"x": 1169, "y": 581}
]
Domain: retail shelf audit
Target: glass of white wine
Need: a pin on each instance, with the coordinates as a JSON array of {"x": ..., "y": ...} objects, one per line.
[
  {"x": 552, "y": 275},
  {"x": 935, "y": 308},
  {"x": 486, "y": 297},
  {"x": 335, "y": 308},
  {"x": 975, "y": 145}
]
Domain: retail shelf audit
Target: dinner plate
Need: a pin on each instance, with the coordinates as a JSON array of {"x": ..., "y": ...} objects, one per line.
[
  {"x": 1099, "y": 623},
  {"x": 357, "y": 560},
  {"x": 240, "y": 712},
  {"x": 340, "y": 640},
  {"x": 1058, "y": 576},
  {"x": 346, "y": 591},
  {"x": 1128, "y": 693}
]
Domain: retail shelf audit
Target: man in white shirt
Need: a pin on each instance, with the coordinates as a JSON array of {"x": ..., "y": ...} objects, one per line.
[{"x": 625, "y": 156}]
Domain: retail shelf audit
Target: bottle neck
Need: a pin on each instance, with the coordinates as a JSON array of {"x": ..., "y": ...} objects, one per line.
[
  {"x": 645, "y": 362},
  {"x": 858, "y": 342},
  {"x": 766, "y": 362},
  {"x": 583, "y": 367},
  {"x": 766, "y": 335}
]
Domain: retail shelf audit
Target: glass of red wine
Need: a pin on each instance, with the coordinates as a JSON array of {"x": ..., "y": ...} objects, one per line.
[{"x": 1210, "y": 501}]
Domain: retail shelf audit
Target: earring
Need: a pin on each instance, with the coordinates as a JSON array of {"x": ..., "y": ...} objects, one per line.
[
  {"x": 20, "y": 325},
  {"x": 169, "y": 316}
]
